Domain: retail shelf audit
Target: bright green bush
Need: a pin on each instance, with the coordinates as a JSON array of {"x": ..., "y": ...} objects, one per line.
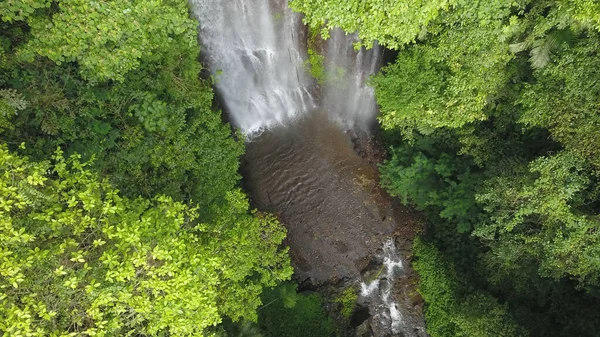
[
  {"x": 78, "y": 259},
  {"x": 108, "y": 39},
  {"x": 316, "y": 66},
  {"x": 347, "y": 299}
]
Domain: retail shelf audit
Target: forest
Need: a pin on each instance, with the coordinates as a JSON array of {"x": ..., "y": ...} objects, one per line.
[
  {"x": 491, "y": 110},
  {"x": 122, "y": 212}
]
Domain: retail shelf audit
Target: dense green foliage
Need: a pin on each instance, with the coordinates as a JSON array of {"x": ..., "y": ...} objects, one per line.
[
  {"x": 134, "y": 226},
  {"x": 391, "y": 22},
  {"x": 287, "y": 313},
  {"x": 284, "y": 313},
  {"x": 492, "y": 109},
  {"x": 117, "y": 266},
  {"x": 151, "y": 127},
  {"x": 315, "y": 62},
  {"x": 453, "y": 308}
]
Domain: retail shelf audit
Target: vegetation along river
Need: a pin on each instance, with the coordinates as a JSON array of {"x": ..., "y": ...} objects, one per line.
[
  {"x": 300, "y": 168},
  {"x": 301, "y": 163}
]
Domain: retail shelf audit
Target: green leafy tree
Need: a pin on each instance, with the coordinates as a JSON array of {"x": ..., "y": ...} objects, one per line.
[
  {"x": 106, "y": 39},
  {"x": 565, "y": 98},
  {"x": 392, "y": 23},
  {"x": 443, "y": 81},
  {"x": 21, "y": 10},
  {"x": 434, "y": 181},
  {"x": 153, "y": 130},
  {"x": 452, "y": 307},
  {"x": 77, "y": 258},
  {"x": 540, "y": 217}
]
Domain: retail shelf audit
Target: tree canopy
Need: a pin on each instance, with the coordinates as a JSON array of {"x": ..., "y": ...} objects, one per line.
[
  {"x": 118, "y": 266},
  {"x": 120, "y": 211},
  {"x": 491, "y": 110}
]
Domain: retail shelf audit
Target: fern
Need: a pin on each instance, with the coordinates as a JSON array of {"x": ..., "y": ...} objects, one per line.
[
  {"x": 3, "y": 58},
  {"x": 540, "y": 51},
  {"x": 50, "y": 125},
  {"x": 425, "y": 129},
  {"x": 288, "y": 295},
  {"x": 510, "y": 166},
  {"x": 11, "y": 101},
  {"x": 249, "y": 329}
]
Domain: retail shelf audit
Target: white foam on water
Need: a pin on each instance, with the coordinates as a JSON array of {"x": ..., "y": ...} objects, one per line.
[{"x": 380, "y": 291}]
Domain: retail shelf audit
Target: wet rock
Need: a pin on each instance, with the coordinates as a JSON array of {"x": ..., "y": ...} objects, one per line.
[{"x": 363, "y": 330}]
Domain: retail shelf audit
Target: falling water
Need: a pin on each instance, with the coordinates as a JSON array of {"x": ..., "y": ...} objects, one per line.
[
  {"x": 348, "y": 97},
  {"x": 387, "y": 312},
  {"x": 254, "y": 51}
]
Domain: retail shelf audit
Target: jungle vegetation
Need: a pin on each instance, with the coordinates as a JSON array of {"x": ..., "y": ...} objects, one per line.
[
  {"x": 491, "y": 110},
  {"x": 120, "y": 211}
]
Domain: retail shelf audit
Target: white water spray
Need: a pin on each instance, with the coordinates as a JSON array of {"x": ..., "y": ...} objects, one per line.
[
  {"x": 348, "y": 97},
  {"x": 254, "y": 49},
  {"x": 381, "y": 289},
  {"x": 387, "y": 312}
]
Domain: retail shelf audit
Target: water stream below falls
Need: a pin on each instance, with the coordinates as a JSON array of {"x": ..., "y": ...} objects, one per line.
[
  {"x": 339, "y": 221},
  {"x": 388, "y": 305},
  {"x": 300, "y": 160}
]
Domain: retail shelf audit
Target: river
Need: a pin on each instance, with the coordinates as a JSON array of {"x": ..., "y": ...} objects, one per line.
[{"x": 301, "y": 161}]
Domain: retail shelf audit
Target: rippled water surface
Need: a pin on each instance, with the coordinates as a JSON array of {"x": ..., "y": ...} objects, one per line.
[{"x": 313, "y": 179}]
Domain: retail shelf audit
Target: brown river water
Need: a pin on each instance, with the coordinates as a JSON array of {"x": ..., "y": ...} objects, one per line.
[{"x": 337, "y": 216}]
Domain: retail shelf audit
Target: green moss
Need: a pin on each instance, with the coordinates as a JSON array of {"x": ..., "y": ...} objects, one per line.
[
  {"x": 348, "y": 301},
  {"x": 315, "y": 64},
  {"x": 375, "y": 275}
]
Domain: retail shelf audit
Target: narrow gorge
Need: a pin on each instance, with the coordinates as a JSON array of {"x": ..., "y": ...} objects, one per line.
[{"x": 302, "y": 160}]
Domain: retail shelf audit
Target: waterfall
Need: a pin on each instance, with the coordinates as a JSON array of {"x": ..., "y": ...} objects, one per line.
[
  {"x": 348, "y": 98},
  {"x": 256, "y": 52},
  {"x": 307, "y": 170}
]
